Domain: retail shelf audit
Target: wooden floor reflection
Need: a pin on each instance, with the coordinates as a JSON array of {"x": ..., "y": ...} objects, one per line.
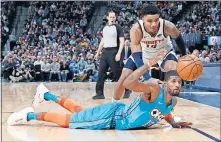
[{"x": 17, "y": 96}]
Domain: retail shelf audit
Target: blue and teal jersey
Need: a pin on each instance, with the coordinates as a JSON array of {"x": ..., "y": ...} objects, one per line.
[
  {"x": 120, "y": 116},
  {"x": 142, "y": 114}
]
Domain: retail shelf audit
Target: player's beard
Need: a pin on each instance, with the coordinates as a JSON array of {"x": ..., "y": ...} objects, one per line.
[{"x": 174, "y": 92}]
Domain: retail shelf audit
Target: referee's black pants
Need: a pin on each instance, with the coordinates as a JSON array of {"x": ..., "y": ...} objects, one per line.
[{"x": 107, "y": 60}]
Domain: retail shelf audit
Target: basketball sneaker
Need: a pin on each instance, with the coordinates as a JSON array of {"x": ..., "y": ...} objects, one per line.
[
  {"x": 19, "y": 117},
  {"x": 39, "y": 96}
]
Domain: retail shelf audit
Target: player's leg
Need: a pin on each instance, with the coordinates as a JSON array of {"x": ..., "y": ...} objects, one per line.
[
  {"x": 169, "y": 62},
  {"x": 43, "y": 95},
  {"x": 28, "y": 114},
  {"x": 127, "y": 70},
  {"x": 99, "y": 117}
]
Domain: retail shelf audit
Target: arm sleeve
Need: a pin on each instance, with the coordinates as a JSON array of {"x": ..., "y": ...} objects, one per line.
[{"x": 180, "y": 44}]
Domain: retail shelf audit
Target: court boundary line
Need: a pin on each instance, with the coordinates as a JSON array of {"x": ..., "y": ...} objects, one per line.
[
  {"x": 206, "y": 134},
  {"x": 199, "y": 103},
  {"x": 200, "y": 131},
  {"x": 211, "y": 93}
]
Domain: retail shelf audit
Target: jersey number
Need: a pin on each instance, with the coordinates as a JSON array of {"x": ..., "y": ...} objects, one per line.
[{"x": 151, "y": 46}]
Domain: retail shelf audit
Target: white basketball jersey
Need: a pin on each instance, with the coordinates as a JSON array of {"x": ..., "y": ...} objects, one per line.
[{"x": 151, "y": 45}]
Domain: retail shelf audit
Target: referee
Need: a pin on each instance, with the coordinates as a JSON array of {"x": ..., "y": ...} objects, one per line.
[{"x": 111, "y": 44}]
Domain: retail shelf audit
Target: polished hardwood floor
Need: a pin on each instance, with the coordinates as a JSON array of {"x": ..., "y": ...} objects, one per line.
[{"x": 206, "y": 119}]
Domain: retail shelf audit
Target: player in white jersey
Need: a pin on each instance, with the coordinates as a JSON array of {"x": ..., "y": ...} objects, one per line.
[{"x": 148, "y": 36}]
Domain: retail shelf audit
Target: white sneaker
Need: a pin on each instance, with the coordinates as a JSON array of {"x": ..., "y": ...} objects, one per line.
[
  {"x": 39, "y": 97},
  {"x": 19, "y": 117}
]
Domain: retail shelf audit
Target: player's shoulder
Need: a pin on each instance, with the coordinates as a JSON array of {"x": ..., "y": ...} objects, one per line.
[
  {"x": 168, "y": 24},
  {"x": 153, "y": 85},
  {"x": 136, "y": 28}
]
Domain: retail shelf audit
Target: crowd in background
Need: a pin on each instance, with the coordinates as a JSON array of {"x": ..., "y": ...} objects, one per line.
[
  {"x": 203, "y": 20},
  {"x": 7, "y": 11},
  {"x": 55, "y": 44}
]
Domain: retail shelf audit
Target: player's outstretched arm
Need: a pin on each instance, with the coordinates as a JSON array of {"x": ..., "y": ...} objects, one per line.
[
  {"x": 175, "y": 124},
  {"x": 132, "y": 81}
]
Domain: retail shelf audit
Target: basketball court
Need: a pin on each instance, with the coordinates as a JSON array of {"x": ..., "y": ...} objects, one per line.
[{"x": 205, "y": 118}]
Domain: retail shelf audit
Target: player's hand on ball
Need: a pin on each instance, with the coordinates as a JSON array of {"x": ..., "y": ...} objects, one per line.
[{"x": 182, "y": 125}]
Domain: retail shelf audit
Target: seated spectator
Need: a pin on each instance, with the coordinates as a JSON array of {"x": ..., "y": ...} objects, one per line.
[
  {"x": 17, "y": 74},
  {"x": 196, "y": 53},
  {"x": 207, "y": 60},
  {"x": 81, "y": 74},
  {"x": 38, "y": 61},
  {"x": 64, "y": 70},
  {"x": 55, "y": 69},
  {"x": 203, "y": 56},
  {"x": 29, "y": 74},
  {"x": 82, "y": 62},
  {"x": 90, "y": 68},
  {"x": 7, "y": 67},
  {"x": 94, "y": 77},
  {"x": 45, "y": 69},
  {"x": 68, "y": 62},
  {"x": 29, "y": 63},
  {"x": 73, "y": 65}
]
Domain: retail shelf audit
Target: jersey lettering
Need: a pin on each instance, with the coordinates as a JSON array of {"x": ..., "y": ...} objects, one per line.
[
  {"x": 154, "y": 42},
  {"x": 155, "y": 113}
]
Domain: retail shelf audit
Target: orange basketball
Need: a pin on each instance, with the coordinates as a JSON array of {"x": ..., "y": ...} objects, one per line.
[{"x": 189, "y": 67}]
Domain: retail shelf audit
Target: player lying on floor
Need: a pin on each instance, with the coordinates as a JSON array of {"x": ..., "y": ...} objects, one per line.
[{"x": 150, "y": 107}]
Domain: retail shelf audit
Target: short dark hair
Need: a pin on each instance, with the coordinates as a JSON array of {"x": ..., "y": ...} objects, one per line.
[
  {"x": 150, "y": 10},
  {"x": 110, "y": 11},
  {"x": 170, "y": 73}
]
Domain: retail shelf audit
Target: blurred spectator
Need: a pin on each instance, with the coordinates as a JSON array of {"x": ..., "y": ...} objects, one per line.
[
  {"x": 73, "y": 65},
  {"x": 207, "y": 60},
  {"x": 17, "y": 74},
  {"x": 81, "y": 74},
  {"x": 82, "y": 62},
  {"x": 64, "y": 70},
  {"x": 90, "y": 68},
  {"x": 196, "y": 53},
  {"x": 45, "y": 69},
  {"x": 203, "y": 56},
  {"x": 7, "y": 15},
  {"x": 38, "y": 61},
  {"x": 55, "y": 70},
  {"x": 29, "y": 74}
]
